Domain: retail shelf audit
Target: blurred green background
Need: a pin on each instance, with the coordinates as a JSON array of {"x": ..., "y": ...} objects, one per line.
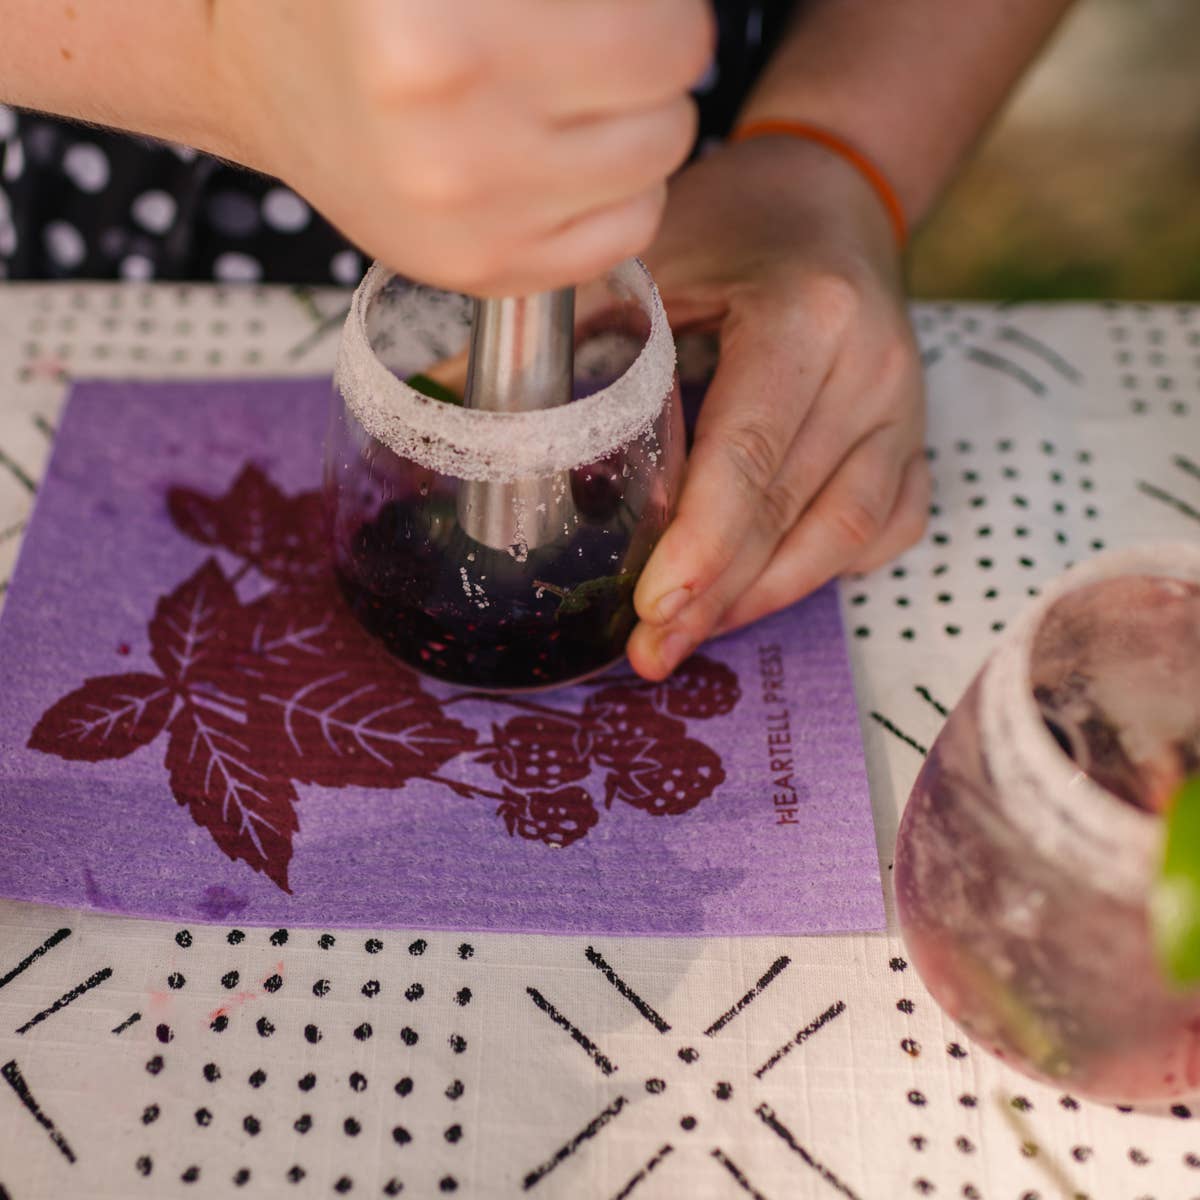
[{"x": 1089, "y": 184}]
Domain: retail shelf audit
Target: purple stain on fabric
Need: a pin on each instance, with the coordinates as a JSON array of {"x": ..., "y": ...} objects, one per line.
[
  {"x": 219, "y": 903},
  {"x": 164, "y": 781}
]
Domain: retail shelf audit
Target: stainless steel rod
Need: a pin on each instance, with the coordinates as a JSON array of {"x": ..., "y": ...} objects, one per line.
[{"x": 521, "y": 360}]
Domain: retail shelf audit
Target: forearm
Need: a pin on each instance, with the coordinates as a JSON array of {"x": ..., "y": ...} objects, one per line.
[
  {"x": 911, "y": 83},
  {"x": 147, "y": 66}
]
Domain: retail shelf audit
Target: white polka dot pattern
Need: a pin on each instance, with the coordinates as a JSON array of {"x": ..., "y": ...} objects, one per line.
[
  {"x": 14, "y": 161},
  {"x": 65, "y": 244},
  {"x": 233, "y": 267},
  {"x": 87, "y": 166},
  {"x": 284, "y": 211},
  {"x": 154, "y": 211},
  {"x": 137, "y": 268},
  {"x": 346, "y": 268},
  {"x": 8, "y": 232}
]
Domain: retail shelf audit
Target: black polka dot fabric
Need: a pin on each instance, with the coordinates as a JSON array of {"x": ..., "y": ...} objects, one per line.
[{"x": 86, "y": 202}]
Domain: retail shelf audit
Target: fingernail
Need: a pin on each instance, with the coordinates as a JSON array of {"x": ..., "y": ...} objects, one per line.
[
  {"x": 672, "y": 604},
  {"x": 674, "y": 648}
]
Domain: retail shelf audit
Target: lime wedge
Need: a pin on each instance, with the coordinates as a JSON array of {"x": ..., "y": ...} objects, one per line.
[
  {"x": 433, "y": 389},
  {"x": 1175, "y": 896}
]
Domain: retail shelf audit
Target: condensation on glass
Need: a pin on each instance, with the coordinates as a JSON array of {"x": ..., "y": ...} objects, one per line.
[{"x": 1032, "y": 837}]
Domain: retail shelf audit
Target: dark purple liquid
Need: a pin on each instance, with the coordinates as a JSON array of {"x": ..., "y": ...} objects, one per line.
[{"x": 565, "y": 611}]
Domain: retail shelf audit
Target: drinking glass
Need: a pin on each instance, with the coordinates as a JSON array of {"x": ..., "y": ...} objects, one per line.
[
  {"x": 500, "y": 550},
  {"x": 1033, "y": 835}
]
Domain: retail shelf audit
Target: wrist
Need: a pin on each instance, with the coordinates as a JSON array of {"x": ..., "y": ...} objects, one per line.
[
  {"x": 817, "y": 198},
  {"x": 841, "y": 147}
]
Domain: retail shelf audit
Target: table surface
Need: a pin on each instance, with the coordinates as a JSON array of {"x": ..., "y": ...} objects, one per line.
[{"x": 143, "y": 1059}]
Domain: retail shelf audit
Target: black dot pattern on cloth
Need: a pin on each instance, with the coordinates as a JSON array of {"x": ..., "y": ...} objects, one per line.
[
  {"x": 282, "y": 1120},
  {"x": 981, "y": 1129},
  {"x": 1058, "y": 529},
  {"x": 340, "y": 1108}
]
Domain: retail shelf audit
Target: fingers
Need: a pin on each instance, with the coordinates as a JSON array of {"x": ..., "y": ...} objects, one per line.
[
  {"x": 606, "y": 159},
  {"x": 495, "y": 148},
  {"x": 614, "y": 55},
  {"x": 580, "y": 251},
  {"x": 487, "y": 233},
  {"x": 906, "y": 525},
  {"x": 843, "y": 532},
  {"x": 530, "y": 208},
  {"x": 754, "y": 406},
  {"x": 563, "y": 61},
  {"x": 567, "y": 174},
  {"x": 773, "y": 570}
]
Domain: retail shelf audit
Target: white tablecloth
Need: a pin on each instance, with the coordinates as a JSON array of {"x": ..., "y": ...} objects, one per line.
[{"x": 214, "y": 1062}]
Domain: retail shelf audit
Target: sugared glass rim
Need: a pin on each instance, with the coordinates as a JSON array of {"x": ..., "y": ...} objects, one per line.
[
  {"x": 503, "y": 447},
  {"x": 1069, "y": 818}
]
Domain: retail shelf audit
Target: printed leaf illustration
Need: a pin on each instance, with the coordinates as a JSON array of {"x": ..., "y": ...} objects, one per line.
[
  {"x": 330, "y": 705},
  {"x": 283, "y": 632},
  {"x": 299, "y": 548},
  {"x": 190, "y": 630},
  {"x": 344, "y": 727},
  {"x": 286, "y": 631},
  {"x": 250, "y": 814},
  {"x": 289, "y": 688},
  {"x": 195, "y": 515},
  {"x": 283, "y": 537},
  {"x": 109, "y": 717}
]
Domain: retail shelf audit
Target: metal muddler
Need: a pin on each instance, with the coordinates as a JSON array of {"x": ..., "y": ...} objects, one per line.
[{"x": 521, "y": 360}]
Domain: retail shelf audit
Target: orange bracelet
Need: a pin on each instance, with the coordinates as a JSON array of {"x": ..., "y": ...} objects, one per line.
[{"x": 771, "y": 126}]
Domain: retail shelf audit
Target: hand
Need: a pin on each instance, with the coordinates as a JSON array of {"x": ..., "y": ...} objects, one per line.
[
  {"x": 491, "y": 148},
  {"x": 808, "y": 460}
]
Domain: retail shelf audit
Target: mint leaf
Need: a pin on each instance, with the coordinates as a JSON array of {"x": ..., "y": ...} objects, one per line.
[
  {"x": 433, "y": 389},
  {"x": 607, "y": 589},
  {"x": 1175, "y": 895}
]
